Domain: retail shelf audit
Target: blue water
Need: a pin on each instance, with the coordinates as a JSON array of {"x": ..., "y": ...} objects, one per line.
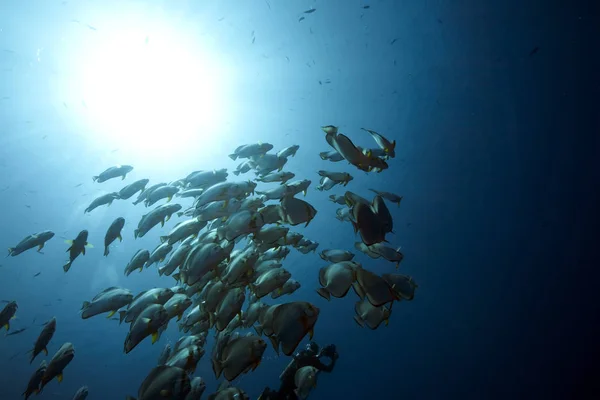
[{"x": 497, "y": 160}]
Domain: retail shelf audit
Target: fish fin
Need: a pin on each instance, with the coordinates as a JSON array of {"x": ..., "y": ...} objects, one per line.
[
  {"x": 7, "y": 326},
  {"x": 120, "y": 238},
  {"x": 106, "y": 251},
  {"x": 45, "y": 350},
  {"x": 275, "y": 343},
  {"x": 89, "y": 245},
  {"x": 123, "y": 177},
  {"x": 67, "y": 266},
  {"x": 359, "y": 321},
  {"x": 162, "y": 223},
  {"x": 259, "y": 329},
  {"x": 69, "y": 241},
  {"x": 40, "y": 247},
  {"x": 311, "y": 332},
  {"x": 136, "y": 232},
  {"x": 155, "y": 337},
  {"x": 169, "y": 198},
  {"x": 164, "y": 239},
  {"x": 83, "y": 250},
  {"x": 122, "y": 315},
  {"x": 110, "y": 314},
  {"x": 324, "y": 293},
  {"x": 59, "y": 378}
]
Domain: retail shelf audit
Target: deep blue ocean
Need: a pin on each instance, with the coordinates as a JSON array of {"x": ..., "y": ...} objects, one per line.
[{"x": 494, "y": 110}]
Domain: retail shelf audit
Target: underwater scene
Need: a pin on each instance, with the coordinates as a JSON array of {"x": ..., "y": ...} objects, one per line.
[{"x": 311, "y": 199}]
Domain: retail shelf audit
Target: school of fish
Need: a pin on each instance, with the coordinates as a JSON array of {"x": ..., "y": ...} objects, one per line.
[{"x": 226, "y": 253}]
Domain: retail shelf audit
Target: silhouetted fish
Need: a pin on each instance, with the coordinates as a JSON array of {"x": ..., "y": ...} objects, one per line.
[{"x": 16, "y": 332}]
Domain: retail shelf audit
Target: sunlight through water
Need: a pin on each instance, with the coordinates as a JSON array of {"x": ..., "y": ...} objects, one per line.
[{"x": 152, "y": 95}]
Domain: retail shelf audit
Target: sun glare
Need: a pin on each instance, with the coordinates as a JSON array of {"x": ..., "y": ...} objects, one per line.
[{"x": 152, "y": 94}]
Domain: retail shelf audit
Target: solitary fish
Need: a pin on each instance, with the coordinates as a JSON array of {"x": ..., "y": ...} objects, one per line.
[
  {"x": 8, "y": 313},
  {"x": 78, "y": 246},
  {"x": 16, "y": 332},
  {"x": 36, "y": 240},
  {"x": 102, "y": 200},
  {"x": 43, "y": 339},
  {"x": 113, "y": 172},
  {"x": 113, "y": 232}
]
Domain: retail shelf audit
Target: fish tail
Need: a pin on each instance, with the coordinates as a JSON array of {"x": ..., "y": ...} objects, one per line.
[
  {"x": 95, "y": 178},
  {"x": 359, "y": 321},
  {"x": 233, "y": 156},
  {"x": 67, "y": 266},
  {"x": 324, "y": 293}
]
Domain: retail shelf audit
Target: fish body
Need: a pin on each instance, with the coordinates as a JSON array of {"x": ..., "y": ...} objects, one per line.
[
  {"x": 113, "y": 172},
  {"x": 159, "y": 215},
  {"x": 144, "y": 300},
  {"x": 8, "y": 313},
  {"x": 105, "y": 199},
  {"x": 113, "y": 232},
  {"x": 138, "y": 261},
  {"x": 131, "y": 189},
  {"x": 43, "y": 339},
  {"x": 163, "y": 192},
  {"x": 81, "y": 394},
  {"x": 33, "y": 387},
  {"x": 148, "y": 323},
  {"x": 57, "y": 364},
  {"x": 36, "y": 240},
  {"x": 145, "y": 193},
  {"x": 205, "y": 179},
  {"x": 250, "y": 150},
  {"x": 109, "y": 300},
  {"x": 78, "y": 246}
]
